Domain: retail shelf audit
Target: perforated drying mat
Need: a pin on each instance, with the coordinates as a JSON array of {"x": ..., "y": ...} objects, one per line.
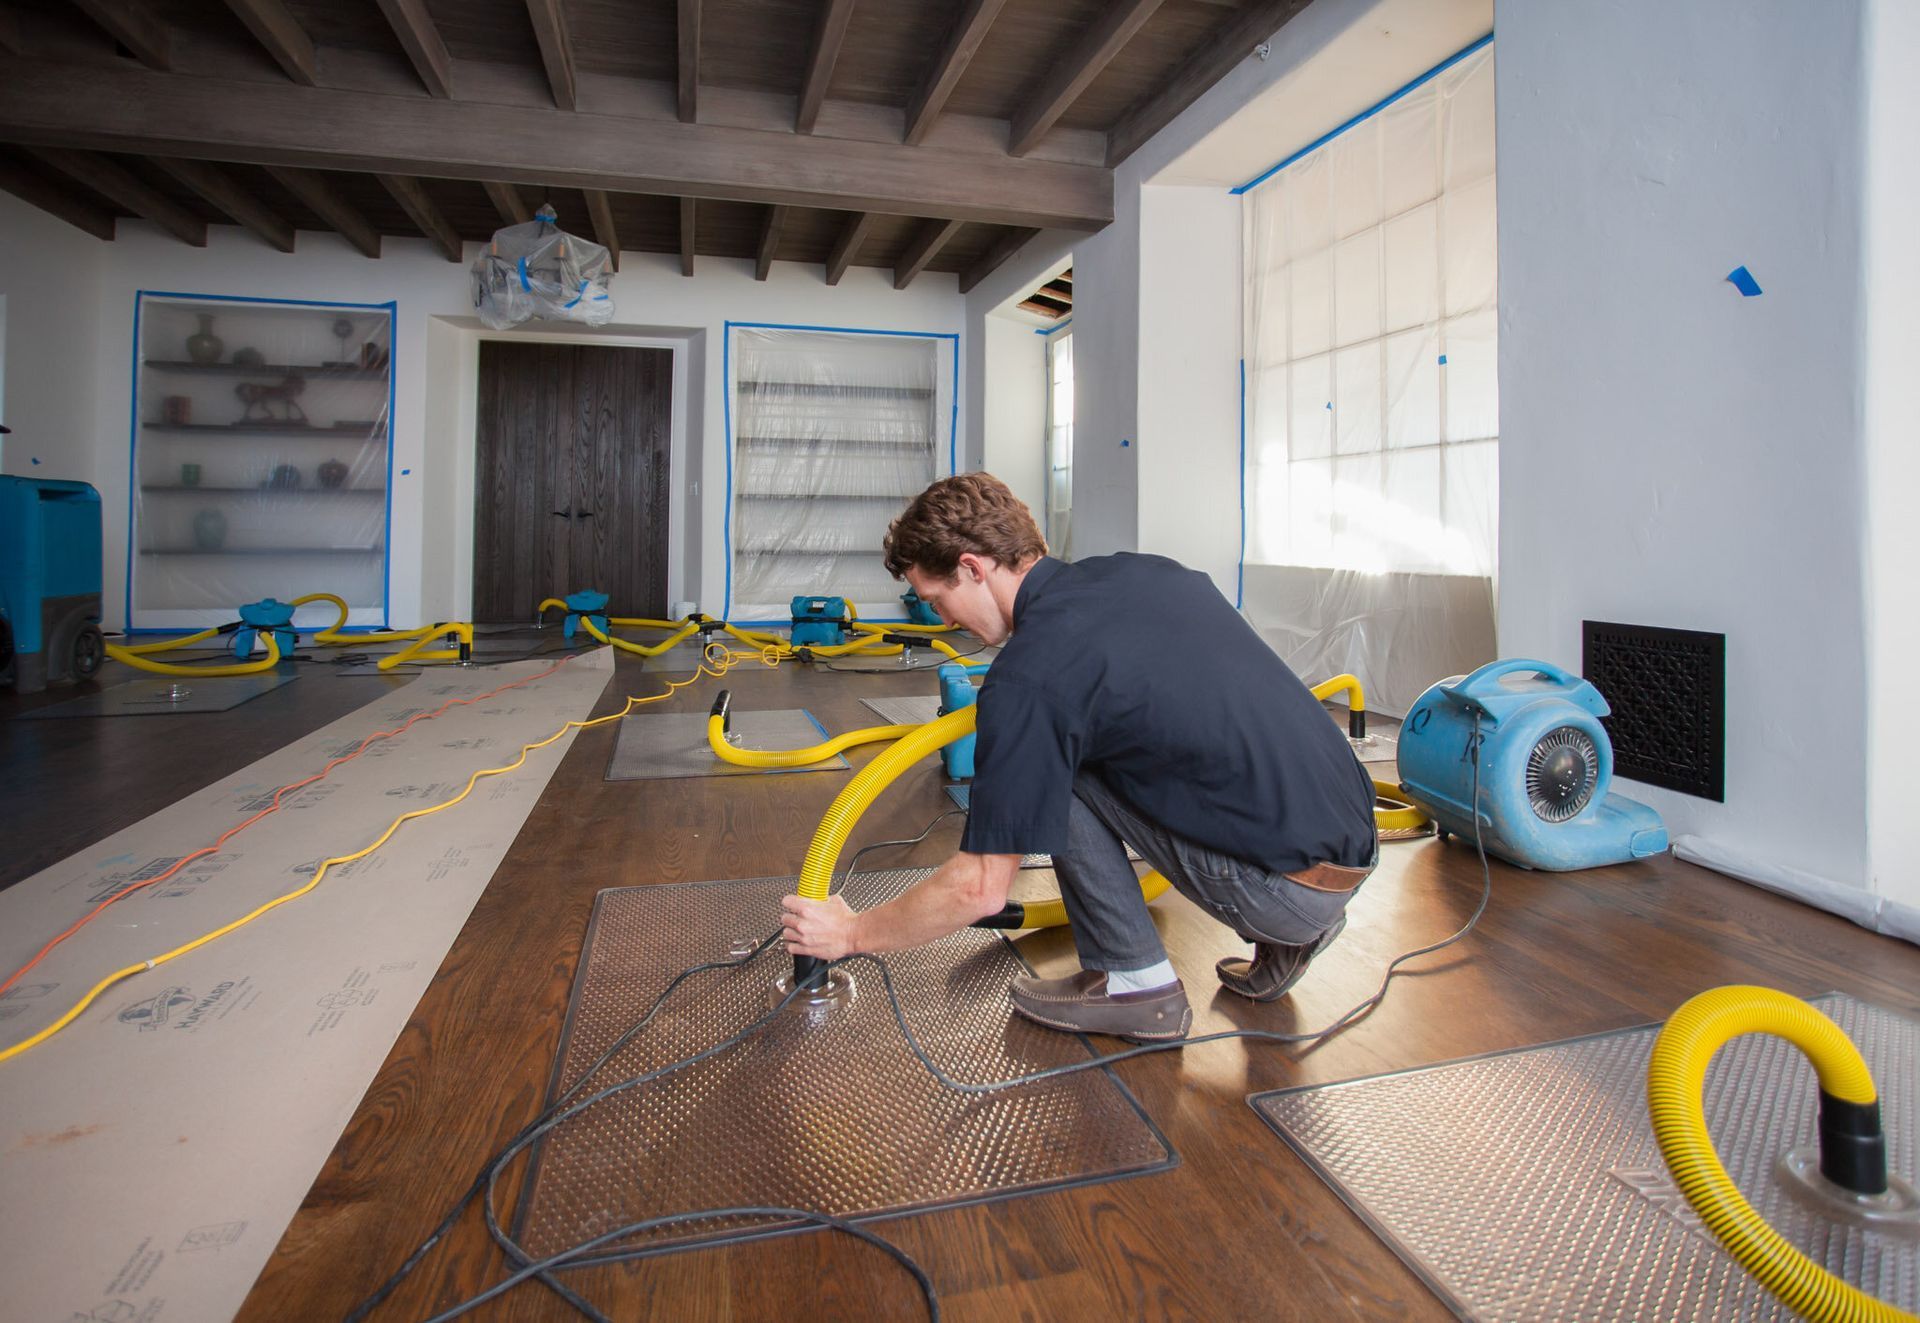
[
  {"x": 824, "y": 1109},
  {"x": 168, "y": 695},
  {"x": 1527, "y": 1185}
]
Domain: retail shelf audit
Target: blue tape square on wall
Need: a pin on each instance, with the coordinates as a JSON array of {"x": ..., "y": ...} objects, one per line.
[{"x": 1742, "y": 280}]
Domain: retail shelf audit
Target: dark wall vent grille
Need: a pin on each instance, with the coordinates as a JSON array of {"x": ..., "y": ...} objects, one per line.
[{"x": 1667, "y": 689}]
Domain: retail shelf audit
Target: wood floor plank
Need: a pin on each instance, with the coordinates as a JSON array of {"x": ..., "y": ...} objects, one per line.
[{"x": 1239, "y": 1228}]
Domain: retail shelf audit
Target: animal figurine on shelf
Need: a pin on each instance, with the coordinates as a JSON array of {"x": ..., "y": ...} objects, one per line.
[{"x": 260, "y": 400}]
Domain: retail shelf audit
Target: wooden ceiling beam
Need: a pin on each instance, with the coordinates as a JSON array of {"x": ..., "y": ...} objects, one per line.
[
  {"x": 769, "y": 240},
  {"x": 318, "y": 196},
  {"x": 926, "y": 246},
  {"x": 133, "y": 24},
  {"x": 1070, "y": 75},
  {"x": 601, "y": 210},
  {"x": 990, "y": 261},
  {"x": 116, "y": 184},
  {"x": 847, "y": 246},
  {"x": 10, "y": 40},
  {"x": 969, "y": 30},
  {"x": 689, "y": 73},
  {"x": 556, "y": 51},
  {"x": 421, "y": 40},
  {"x": 38, "y": 191},
  {"x": 507, "y": 201},
  {"x": 828, "y": 34},
  {"x": 686, "y": 236},
  {"x": 132, "y": 110},
  {"x": 226, "y": 193},
  {"x": 280, "y": 32},
  {"x": 411, "y": 194},
  {"x": 1205, "y": 67}
]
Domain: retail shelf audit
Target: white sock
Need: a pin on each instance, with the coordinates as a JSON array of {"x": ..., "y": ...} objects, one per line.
[{"x": 1140, "y": 980}]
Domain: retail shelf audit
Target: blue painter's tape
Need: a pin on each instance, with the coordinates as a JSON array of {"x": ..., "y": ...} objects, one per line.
[
  {"x": 1742, "y": 280},
  {"x": 406, "y": 473},
  {"x": 1443, "y": 360},
  {"x": 1329, "y": 404},
  {"x": 1124, "y": 443},
  {"x": 36, "y": 459}
]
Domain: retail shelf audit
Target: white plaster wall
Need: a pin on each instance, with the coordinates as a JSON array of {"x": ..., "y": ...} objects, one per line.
[
  {"x": 1106, "y": 380},
  {"x": 1188, "y": 446},
  {"x": 1891, "y": 272},
  {"x": 1015, "y": 409},
  {"x": 1671, "y": 453},
  {"x": 69, "y": 383}
]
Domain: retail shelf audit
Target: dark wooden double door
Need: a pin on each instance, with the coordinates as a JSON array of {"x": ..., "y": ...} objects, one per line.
[{"x": 571, "y": 479}]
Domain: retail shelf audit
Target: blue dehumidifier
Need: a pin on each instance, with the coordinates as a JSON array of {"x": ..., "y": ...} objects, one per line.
[
  {"x": 820, "y": 621},
  {"x": 49, "y": 582},
  {"x": 1545, "y": 764}
]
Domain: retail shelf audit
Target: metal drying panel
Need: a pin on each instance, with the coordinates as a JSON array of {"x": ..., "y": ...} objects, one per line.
[
  {"x": 484, "y": 652},
  {"x": 914, "y": 710},
  {"x": 1527, "y": 1184},
  {"x": 664, "y": 745},
  {"x": 826, "y": 1108},
  {"x": 168, "y": 695}
]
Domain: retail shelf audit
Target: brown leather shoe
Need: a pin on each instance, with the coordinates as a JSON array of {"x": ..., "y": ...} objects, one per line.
[
  {"x": 1082, "y": 1004},
  {"x": 1275, "y": 967}
]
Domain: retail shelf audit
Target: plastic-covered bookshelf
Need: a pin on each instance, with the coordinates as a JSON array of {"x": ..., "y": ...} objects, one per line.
[{"x": 261, "y": 457}]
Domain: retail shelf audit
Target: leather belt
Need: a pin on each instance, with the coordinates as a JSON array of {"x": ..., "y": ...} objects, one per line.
[{"x": 1333, "y": 878}]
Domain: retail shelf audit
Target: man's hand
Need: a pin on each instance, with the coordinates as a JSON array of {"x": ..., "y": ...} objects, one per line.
[{"x": 822, "y": 928}]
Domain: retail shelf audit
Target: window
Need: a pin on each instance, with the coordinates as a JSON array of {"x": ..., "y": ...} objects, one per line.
[{"x": 1372, "y": 406}]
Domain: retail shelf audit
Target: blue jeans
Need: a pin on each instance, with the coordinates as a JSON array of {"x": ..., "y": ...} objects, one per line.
[{"x": 1112, "y": 928}]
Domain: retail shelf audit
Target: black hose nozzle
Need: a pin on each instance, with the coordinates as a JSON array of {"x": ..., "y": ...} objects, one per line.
[
  {"x": 722, "y": 708},
  {"x": 809, "y": 971},
  {"x": 1357, "y": 723},
  {"x": 1853, "y": 1148}
]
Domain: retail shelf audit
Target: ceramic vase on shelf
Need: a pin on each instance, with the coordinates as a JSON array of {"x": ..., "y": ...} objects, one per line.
[
  {"x": 204, "y": 346},
  {"x": 209, "y": 530},
  {"x": 332, "y": 473}
]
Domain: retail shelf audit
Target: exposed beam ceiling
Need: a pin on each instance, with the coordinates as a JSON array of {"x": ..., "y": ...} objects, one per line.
[
  {"x": 132, "y": 23},
  {"x": 769, "y": 240},
  {"x": 688, "y": 32},
  {"x": 132, "y": 110},
  {"x": 556, "y": 50},
  {"x": 969, "y": 30},
  {"x": 847, "y": 246},
  {"x": 1202, "y": 70},
  {"x": 686, "y": 236},
  {"x": 115, "y": 183},
  {"x": 276, "y": 29},
  {"x": 224, "y": 192},
  {"x": 602, "y": 213},
  {"x": 36, "y": 191},
  {"x": 828, "y": 33},
  {"x": 420, "y": 39},
  {"x": 926, "y": 245},
  {"x": 329, "y": 206},
  {"x": 1069, "y": 76},
  {"x": 990, "y": 261},
  {"x": 10, "y": 33},
  {"x": 507, "y": 201},
  {"x": 413, "y": 199}
]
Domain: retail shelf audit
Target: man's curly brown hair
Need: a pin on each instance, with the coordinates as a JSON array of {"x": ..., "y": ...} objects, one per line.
[{"x": 969, "y": 512}]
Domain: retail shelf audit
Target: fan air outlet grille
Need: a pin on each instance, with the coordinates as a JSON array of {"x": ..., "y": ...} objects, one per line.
[{"x": 1561, "y": 771}]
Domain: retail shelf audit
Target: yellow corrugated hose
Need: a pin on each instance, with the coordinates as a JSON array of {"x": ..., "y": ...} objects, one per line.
[
  {"x": 728, "y": 753},
  {"x": 1676, "y": 1074},
  {"x": 639, "y": 649},
  {"x": 333, "y": 637},
  {"x": 132, "y": 657},
  {"x": 419, "y": 651}
]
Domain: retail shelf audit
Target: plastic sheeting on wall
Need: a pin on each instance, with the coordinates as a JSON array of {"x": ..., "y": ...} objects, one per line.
[
  {"x": 832, "y": 434},
  {"x": 1372, "y": 408},
  {"x": 260, "y": 454},
  {"x": 539, "y": 271}
]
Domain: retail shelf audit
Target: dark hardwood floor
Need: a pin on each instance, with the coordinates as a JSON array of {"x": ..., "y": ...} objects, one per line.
[{"x": 1239, "y": 1229}]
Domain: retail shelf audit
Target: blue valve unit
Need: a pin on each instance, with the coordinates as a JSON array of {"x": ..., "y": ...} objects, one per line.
[
  {"x": 585, "y": 603},
  {"x": 259, "y": 618},
  {"x": 918, "y": 611},
  {"x": 956, "y": 692},
  {"x": 820, "y": 621},
  {"x": 1545, "y": 768}
]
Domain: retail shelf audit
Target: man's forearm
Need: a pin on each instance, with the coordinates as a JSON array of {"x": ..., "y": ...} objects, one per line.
[{"x": 965, "y": 888}]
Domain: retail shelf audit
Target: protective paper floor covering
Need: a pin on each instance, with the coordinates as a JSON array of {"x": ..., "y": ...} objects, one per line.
[
  {"x": 825, "y": 1108},
  {"x": 153, "y": 1152},
  {"x": 1527, "y": 1185}
]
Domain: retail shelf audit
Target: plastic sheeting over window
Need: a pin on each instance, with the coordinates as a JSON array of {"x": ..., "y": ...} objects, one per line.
[
  {"x": 832, "y": 433},
  {"x": 1372, "y": 403},
  {"x": 260, "y": 458},
  {"x": 1059, "y": 530}
]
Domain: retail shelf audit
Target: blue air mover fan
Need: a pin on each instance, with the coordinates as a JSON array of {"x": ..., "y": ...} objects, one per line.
[{"x": 1545, "y": 765}]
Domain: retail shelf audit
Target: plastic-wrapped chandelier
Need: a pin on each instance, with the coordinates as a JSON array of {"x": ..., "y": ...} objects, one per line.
[{"x": 538, "y": 270}]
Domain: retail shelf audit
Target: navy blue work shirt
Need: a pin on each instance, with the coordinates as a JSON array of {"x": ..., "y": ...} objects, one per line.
[{"x": 1135, "y": 669}]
